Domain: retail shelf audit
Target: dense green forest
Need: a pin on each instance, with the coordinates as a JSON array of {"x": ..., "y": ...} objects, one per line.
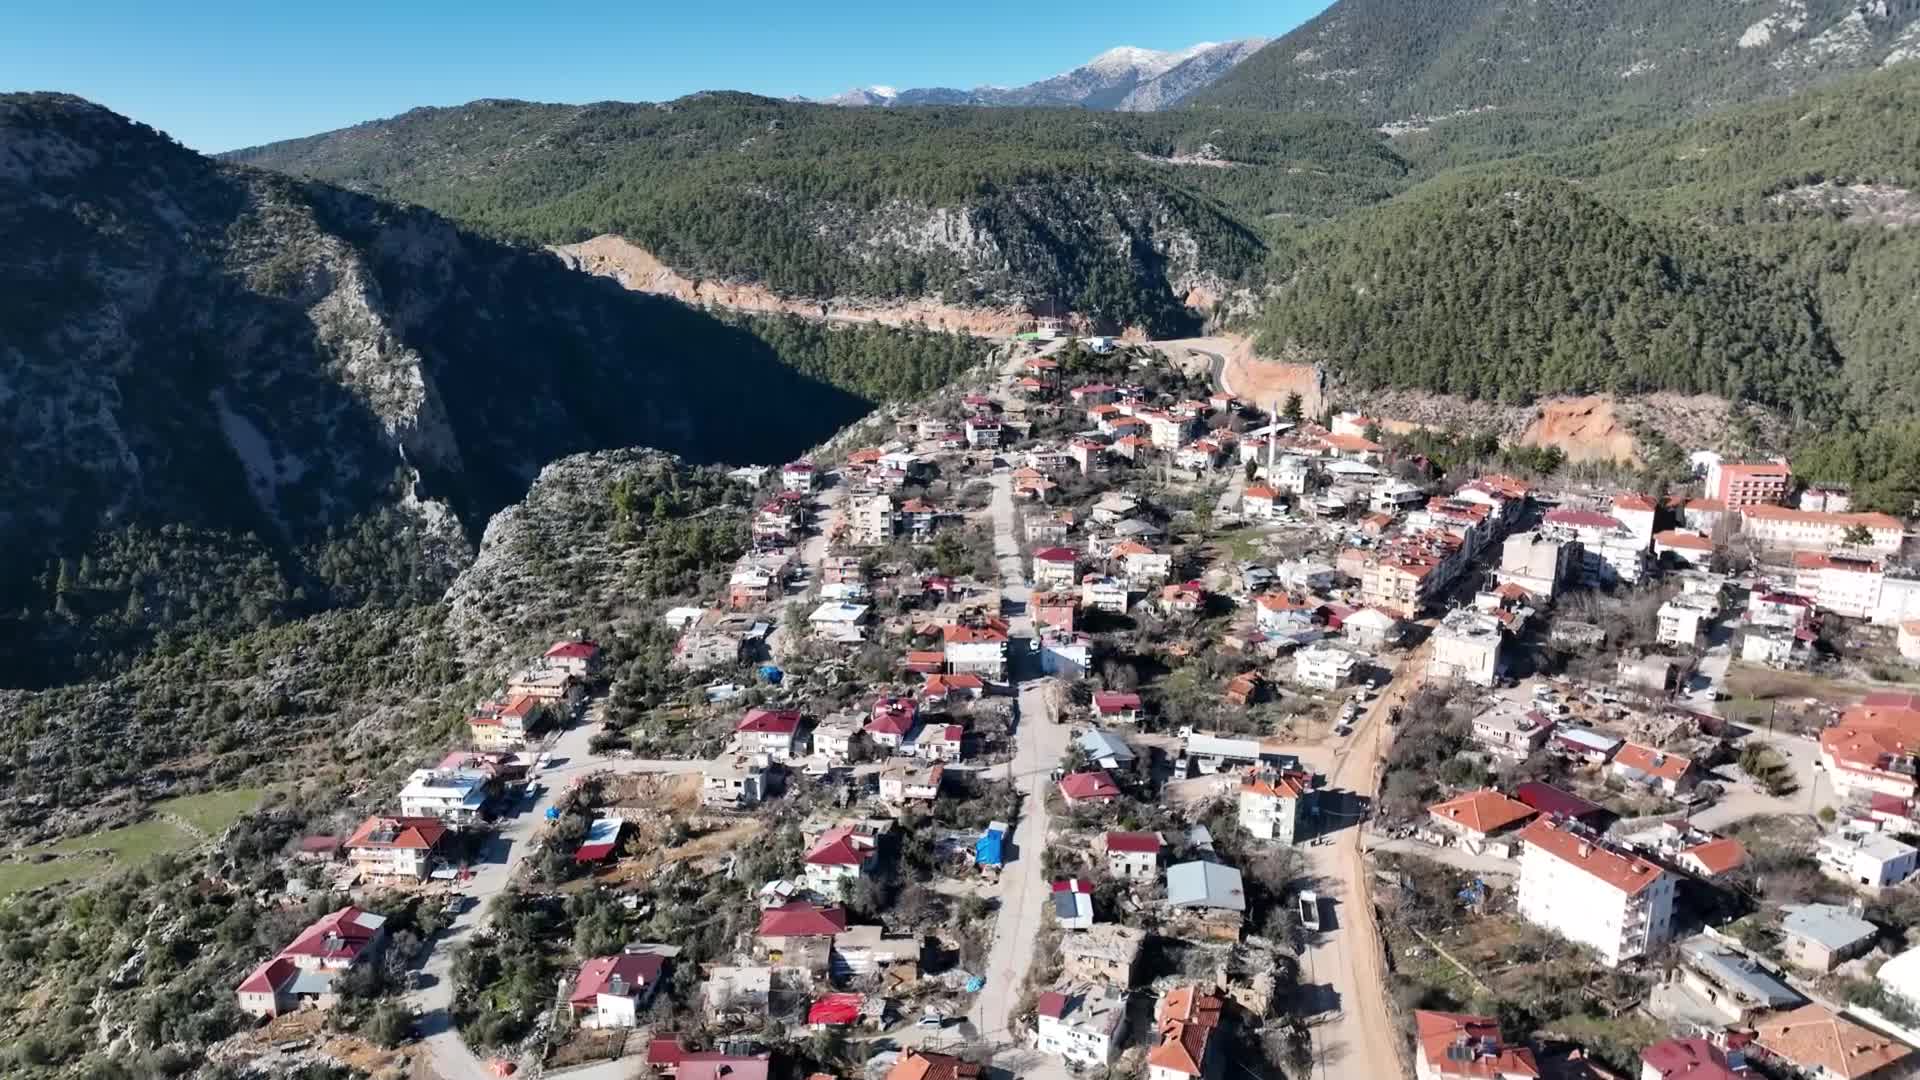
[
  {"x": 1063, "y": 206},
  {"x": 1514, "y": 288},
  {"x": 879, "y": 363}
]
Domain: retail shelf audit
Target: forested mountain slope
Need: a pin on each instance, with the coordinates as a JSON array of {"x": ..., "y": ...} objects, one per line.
[
  {"x": 1118, "y": 216},
  {"x": 232, "y": 397},
  {"x": 1765, "y": 251},
  {"x": 1388, "y": 60},
  {"x": 1512, "y": 288}
]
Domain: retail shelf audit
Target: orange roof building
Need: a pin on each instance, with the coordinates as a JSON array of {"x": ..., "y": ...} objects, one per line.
[
  {"x": 1873, "y": 747},
  {"x": 1573, "y": 883},
  {"x": 1478, "y": 815},
  {"x": 1713, "y": 858},
  {"x": 1816, "y": 1042},
  {"x": 1466, "y": 1046},
  {"x": 1185, "y": 1022}
]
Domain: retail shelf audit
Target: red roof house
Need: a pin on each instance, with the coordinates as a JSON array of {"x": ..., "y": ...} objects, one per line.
[
  {"x": 1094, "y": 786},
  {"x": 802, "y": 920}
]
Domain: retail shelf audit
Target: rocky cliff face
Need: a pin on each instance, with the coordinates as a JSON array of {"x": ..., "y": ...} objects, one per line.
[{"x": 190, "y": 344}]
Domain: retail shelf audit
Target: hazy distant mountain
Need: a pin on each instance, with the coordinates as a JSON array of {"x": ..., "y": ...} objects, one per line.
[{"x": 1127, "y": 78}]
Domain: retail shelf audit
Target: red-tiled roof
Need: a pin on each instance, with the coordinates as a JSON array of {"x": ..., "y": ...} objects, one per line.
[
  {"x": 635, "y": 971},
  {"x": 1880, "y": 727},
  {"x": 1277, "y": 785},
  {"x": 1096, "y": 784},
  {"x": 1583, "y": 519},
  {"x": 1056, "y": 555},
  {"x": 1186, "y": 1020},
  {"x": 919, "y": 1065},
  {"x": 1815, "y": 517},
  {"x": 573, "y": 650},
  {"x": 1688, "y": 1059},
  {"x": 269, "y": 977},
  {"x": 770, "y": 722},
  {"x": 1653, "y": 762},
  {"x": 1675, "y": 538},
  {"x": 1110, "y": 701},
  {"x": 1551, "y": 800},
  {"x": 1485, "y": 811},
  {"x": 1628, "y": 873},
  {"x": 1719, "y": 855},
  {"x": 937, "y": 685},
  {"x": 1052, "y": 1004},
  {"x": 340, "y": 935},
  {"x": 1812, "y": 1037},
  {"x": 1441, "y": 1036},
  {"x": 1140, "y": 842},
  {"x": 411, "y": 833},
  {"x": 803, "y": 920},
  {"x": 836, "y": 848}
]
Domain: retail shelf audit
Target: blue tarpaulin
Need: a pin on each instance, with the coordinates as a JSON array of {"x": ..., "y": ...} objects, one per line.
[
  {"x": 771, "y": 674},
  {"x": 989, "y": 850}
]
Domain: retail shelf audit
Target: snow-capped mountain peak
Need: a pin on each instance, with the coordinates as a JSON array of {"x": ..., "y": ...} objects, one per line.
[
  {"x": 1124, "y": 77},
  {"x": 1145, "y": 62}
]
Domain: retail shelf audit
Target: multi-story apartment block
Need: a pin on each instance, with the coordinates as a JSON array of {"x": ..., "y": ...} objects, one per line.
[
  {"x": 1737, "y": 485},
  {"x": 1618, "y": 904}
]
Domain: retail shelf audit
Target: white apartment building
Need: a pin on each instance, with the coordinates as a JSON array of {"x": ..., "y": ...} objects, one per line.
[
  {"x": 1899, "y": 600},
  {"x": 1324, "y": 665},
  {"x": 455, "y": 795},
  {"x": 1055, "y": 568},
  {"x": 1617, "y": 904},
  {"x": 1273, "y": 804},
  {"x": 873, "y": 521},
  {"x": 977, "y": 651},
  {"x": 1637, "y": 513},
  {"x": 799, "y": 476},
  {"x": 1610, "y": 552},
  {"x": 1394, "y": 496},
  {"x": 1870, "y": 860},
  {"x": 1260, "y": 503},
  {"x": 1142, "y": 565},
  {"x": 1104, "y": 594},
  {"x": 1777, "y": 526},
  {"x": 1082, "y": 1024},
  {"x": 1841, "y": 584},
  {"x": 1466, "y": 646},
  {"x": 1537, "y": 564},
  {"x": 1684, "y": 619}
]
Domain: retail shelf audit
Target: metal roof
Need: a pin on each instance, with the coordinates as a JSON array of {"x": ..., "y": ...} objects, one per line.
[
  {"x": 1206, "y": 885},
  {"x": 1826, "y": 924}
]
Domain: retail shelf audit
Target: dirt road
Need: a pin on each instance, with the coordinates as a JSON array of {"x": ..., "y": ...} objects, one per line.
[
  {"x": 447, "y": 1052},
  {"x": 1039, "y": 745},
  {"x": 1342, "y": 969}
]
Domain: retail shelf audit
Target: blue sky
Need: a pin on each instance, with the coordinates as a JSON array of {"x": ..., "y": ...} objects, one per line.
[{"x": 218, "y": 75}]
